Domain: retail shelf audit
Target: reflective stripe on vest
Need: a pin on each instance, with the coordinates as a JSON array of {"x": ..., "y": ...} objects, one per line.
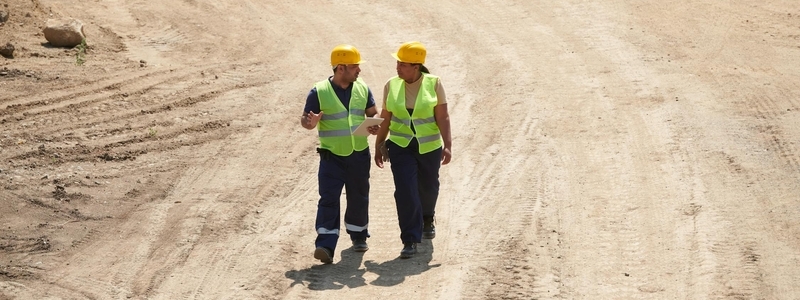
[
  {"x": 337, "y": 123},
  {"x": 427, "y": 132}
]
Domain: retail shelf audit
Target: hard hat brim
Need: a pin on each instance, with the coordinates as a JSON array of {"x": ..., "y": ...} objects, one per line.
[
  {"x": 404, "y": 61},
  {"x": 358, "y": 63}
]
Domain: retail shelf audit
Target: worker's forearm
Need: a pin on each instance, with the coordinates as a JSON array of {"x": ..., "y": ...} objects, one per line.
[
  {"x": 444, "y": 129},
  {"x": 383, "y": 131}
]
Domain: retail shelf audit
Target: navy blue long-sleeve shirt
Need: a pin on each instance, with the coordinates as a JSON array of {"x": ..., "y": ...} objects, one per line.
[{"x": 312, "y": 100}]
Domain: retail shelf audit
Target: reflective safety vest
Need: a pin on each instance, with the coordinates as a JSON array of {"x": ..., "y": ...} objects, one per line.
[
  {"x": 427, "y": 135},
  {"x": 335, "y": 128}
]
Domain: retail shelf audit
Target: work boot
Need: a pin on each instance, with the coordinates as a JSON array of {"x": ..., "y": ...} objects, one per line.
[
  {"x": 409, "y": 249},
  {"x": 324, "y": 255},
  {"x": 360, "y": 245},
  {"x": 428, "y": 230}
]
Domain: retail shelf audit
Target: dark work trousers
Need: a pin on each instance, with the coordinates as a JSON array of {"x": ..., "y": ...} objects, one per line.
[
  {"x": 352, "y": 173},
  {"x": 416, "y": 186}
]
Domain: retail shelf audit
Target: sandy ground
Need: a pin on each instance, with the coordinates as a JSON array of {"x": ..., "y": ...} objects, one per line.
[{"x": 603, "y": 149}]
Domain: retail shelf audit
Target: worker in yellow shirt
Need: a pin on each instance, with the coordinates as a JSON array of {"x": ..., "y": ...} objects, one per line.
[{"x": 417, "y": 123}]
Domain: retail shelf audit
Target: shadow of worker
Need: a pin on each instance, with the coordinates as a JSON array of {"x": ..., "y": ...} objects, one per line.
[
  {"x": 395, "y": 271},
  {"x": 344, "y": 273}
]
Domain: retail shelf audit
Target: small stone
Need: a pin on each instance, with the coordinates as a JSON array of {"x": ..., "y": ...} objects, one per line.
[{"x": 7, "y": 51}]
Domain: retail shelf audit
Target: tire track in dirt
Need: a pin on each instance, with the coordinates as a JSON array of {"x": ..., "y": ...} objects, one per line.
[
  {"x": 506, "y": 267},
  {"x": 518, "y": 263},
  {"x": 163, "y": 39},
  {"x": 715, "y": 254},
  {"x": 728, "y": 262},
  {"x": 511, "y": 264},
  {"x": 48, "y": 100},
  {"x": 620, "y": 237},
  {"x": 766, "y": 110},
  {"x": 134, "y": 94},
  {"x": 205, "y": 281},
  {"x": 741, "y": 273},
  {"x": 197, "y": 291},
  {"x": 741, "y": 276},
  {"x": 614, "y": 216},
  {"x": 145, "y": 251},
  {"x": 94, "y": 288},
  {"x": 96, "y": 258},
  {"x": 182, "y": 234},
  {"x": 722, "y": 240},
  {"x": 181, "y": 238},
  {"x": 505, "y": 262},
  {"x": 766, "y": 156},
  {"x": 608, "y": 155},
  {"x": 240, "y": 250},
  {"x": 117, "y": 133}
]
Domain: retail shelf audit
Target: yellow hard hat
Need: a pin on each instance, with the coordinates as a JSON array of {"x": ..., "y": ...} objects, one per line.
[
  {"x": 345, "y": 55},
  {"x": 411, "y": 52}
]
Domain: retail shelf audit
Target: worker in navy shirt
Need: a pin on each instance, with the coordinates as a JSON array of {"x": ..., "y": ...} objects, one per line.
[
  {"x": 312, "y": 102},
  {"x": 336, "y": 106}
]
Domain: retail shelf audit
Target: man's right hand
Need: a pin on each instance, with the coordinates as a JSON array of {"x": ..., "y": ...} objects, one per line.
[{"x": 311, "y": 119}]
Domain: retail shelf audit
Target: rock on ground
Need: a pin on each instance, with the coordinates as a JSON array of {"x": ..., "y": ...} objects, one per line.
[{"x": 64, "y": 32}]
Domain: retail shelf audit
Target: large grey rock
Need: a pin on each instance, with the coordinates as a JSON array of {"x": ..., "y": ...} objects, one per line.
[
  {"x": 64, "y": 32},
  {"x": 3, "y": 16}
]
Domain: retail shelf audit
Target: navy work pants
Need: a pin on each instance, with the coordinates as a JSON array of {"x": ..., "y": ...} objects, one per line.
[
  {"x": 337, "y": 172},
  {"x": 416, "y": 183}
]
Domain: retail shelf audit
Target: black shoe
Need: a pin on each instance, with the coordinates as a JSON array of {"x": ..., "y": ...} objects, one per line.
[
  {"x": 409, "y": 249},
  {"x": 324, "y": 255},
  {"x": 428, "y": 230},
  {"x": 360, "y": 245}
]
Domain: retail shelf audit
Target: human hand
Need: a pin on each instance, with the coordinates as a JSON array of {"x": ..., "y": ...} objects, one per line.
[
  {"x": 381, "y": 155},
  {"x": 313, "y": 118},
  {"x": 446, "y": 155},
  {"x": 378, "y": 159},
  {"x": 373, "y": 129}
]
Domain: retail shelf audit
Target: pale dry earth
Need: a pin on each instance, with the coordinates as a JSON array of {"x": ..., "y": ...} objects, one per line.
[{"x": 602, "y": 150}]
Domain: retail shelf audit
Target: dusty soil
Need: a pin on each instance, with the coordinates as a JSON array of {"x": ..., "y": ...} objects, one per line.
[{"x": 602, "y": 150}]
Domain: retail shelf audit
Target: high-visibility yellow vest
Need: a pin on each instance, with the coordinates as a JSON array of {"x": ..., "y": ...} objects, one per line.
[
  {"x": 400, "y": 132},
  {"x": 335, "y": 128}
]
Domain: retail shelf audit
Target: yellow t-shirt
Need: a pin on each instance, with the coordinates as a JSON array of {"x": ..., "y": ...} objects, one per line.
[{"x": 412, "y": 89}]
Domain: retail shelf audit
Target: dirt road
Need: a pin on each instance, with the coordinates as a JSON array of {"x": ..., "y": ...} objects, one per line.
[{"x": 602, "y": 150}]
